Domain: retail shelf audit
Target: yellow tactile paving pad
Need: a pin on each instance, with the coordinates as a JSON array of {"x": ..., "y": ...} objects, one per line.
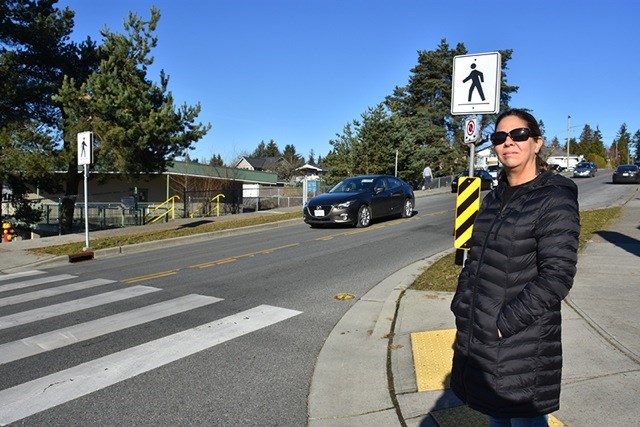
[{"x": 432, "y": 356}]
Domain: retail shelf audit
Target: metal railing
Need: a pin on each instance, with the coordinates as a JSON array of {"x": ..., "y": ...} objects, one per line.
[
  {"x": 155, "y": 214},
  {"x": 206, "y": 209}
]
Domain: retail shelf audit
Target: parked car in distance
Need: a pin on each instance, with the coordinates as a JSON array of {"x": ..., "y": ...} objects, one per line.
[
  {"x": 585, "y": 169},
  {"x": 626, "y": 174},
  {"x": 360, "y": 199},
  {"x": 486, "y": 182},
  {"x": 494, "y": 171}
]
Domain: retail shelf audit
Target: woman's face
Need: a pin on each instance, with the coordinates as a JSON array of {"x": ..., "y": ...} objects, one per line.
[{"x": 518, "y": 157}]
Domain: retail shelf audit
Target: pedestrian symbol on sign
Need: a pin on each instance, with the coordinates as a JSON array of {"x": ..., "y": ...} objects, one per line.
[
  {"x": 85, "y": 148},
  {"x": 477, "y": 78}
]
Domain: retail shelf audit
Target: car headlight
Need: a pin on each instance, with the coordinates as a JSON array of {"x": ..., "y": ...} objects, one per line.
[{"x": 345, "y": 204}]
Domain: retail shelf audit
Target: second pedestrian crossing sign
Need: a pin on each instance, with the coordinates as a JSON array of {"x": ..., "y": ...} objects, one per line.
[
  {"x": 85, "y": 148},
  {"x": 467, "y": 206},
  {"x": 475, "y": 87}
]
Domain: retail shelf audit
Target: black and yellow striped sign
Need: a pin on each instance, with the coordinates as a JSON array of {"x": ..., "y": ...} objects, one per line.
[{"x": 467, "y": 205}]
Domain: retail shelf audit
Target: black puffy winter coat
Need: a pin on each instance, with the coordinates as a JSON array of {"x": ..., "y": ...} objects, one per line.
[{"x": 520, "y": 266}]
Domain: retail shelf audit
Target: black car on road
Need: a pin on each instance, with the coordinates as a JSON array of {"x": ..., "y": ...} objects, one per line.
[
  {"x": 486, "y": 180},
  {"x": 360, "y": 199},
  {"x": 626, "y": 174}
]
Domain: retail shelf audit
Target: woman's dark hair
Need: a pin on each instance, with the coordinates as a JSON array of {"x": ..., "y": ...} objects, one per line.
[{"x": 532, "y": 125}]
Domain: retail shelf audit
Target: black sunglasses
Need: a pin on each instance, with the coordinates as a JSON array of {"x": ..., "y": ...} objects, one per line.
[{"x": 518, "y": 135}]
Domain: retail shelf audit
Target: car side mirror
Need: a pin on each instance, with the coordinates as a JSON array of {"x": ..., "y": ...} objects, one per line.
[{"x": 378, "y": 190}]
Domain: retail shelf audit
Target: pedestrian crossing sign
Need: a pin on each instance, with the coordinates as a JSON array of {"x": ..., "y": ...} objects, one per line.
[
  {"x": 475, "y": 87},
  {"x": 85, "y": 148}
]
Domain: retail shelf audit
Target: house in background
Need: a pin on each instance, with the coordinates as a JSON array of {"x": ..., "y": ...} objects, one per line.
[
  {"x": 485, "y": 158},
  {"x": 311, "y": 172},
  {"x": 267, "y": 164}
]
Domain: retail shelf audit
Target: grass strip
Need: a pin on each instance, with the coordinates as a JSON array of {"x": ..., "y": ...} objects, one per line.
[
  {"x": 443, "y": 274},
  {"x": 150, "y": 236}
]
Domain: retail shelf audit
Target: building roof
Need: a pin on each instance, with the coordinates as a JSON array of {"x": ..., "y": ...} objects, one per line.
[
  {"x": 310, "y": 168},
  {"x": 202, "y": 170},
  {"x": 262, "y": 163}
]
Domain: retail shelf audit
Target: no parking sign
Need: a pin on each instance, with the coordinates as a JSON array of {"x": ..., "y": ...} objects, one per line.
[{"x": 471, "y": 131}]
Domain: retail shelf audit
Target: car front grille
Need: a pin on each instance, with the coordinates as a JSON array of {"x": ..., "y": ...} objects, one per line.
[{"x": 314, "y": 210}]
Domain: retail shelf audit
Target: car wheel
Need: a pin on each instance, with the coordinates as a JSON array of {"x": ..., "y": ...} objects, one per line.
[
  {"x": 364, "y": 216},
  {"x": 407, "y": 211}
]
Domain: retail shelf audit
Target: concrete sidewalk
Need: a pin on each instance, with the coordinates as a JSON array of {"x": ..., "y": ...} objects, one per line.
[{"x": 366, "y": 371}]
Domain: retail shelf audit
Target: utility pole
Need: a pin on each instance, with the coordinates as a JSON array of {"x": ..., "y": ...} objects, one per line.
[{"x": 568, "y": 140}]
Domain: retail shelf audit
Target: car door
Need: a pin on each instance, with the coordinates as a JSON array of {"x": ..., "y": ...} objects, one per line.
[
  {"x": 380, "y": 200},
  {"x": 396, "y": 195}
]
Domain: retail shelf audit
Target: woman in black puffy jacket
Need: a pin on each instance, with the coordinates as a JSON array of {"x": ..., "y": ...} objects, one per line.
[{"x": 507, "y": 355}]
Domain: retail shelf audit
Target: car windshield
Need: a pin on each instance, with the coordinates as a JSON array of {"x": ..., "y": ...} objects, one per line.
[
  {"x": 493, "y": 168},
  {"x": 627, "y": 168},
  {"x": 583, "y": 165},
  {"x": 353, "y": 185}
]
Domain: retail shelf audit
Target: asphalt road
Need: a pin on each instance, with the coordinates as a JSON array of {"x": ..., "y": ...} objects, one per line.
[{"x": 242, "y": 353}]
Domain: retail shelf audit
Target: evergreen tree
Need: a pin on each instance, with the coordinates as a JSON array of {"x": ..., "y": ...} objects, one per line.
[
  {"x": 136, "y": 125},
  {"x": 272, "y": 149},
  {"x": 635, "y": 145},
  {"x": 369, "y": 145},
  {"x": 312, "y": 157},
  {"x": 35, "y": 54},
  {"x": 583, "y": 147},
  {"x": 621, "y": 143},
  {"x": 291, "y": 156},
  {"x": 597, "y": 151},
  {"x": 216, "y": 160},
  {"x": 260, "y": 151},
  {"x": 287, "y": 170}
]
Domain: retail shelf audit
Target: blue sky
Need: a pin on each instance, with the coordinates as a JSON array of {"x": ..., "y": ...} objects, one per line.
[{"x": 298, "y": 71}]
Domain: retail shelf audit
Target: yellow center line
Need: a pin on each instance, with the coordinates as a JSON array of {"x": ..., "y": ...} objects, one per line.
[
  {"x": 269, "y": 251},
  {"x": 209, "y": 263},
  {"x": 247, "y": 255},
  {"x": 151, "y": 276}
]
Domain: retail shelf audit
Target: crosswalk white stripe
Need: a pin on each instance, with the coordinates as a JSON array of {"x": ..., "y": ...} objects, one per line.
[
  {"x": 37, "y": 344},
  {"x": 44, "y": 293},
  {"x": 11, "y": 276},
  {"x": 71, "y": 306},
  {"x": 34, "y": 282},
  {"x": 52, "y": 390}
]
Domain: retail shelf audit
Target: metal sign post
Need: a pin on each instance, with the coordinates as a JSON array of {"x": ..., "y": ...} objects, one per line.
[
  {"x": 85, "y": 158},
  {"x": 475, "y": 89}
]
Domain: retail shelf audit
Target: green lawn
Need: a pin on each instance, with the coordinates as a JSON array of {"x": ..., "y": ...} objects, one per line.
[{"x": 443, "y": 274}]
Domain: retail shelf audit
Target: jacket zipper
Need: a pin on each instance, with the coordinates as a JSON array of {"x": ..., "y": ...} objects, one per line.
[
  {"x": 480, "y": 258},
  {"x": 475, "y": 281}
]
